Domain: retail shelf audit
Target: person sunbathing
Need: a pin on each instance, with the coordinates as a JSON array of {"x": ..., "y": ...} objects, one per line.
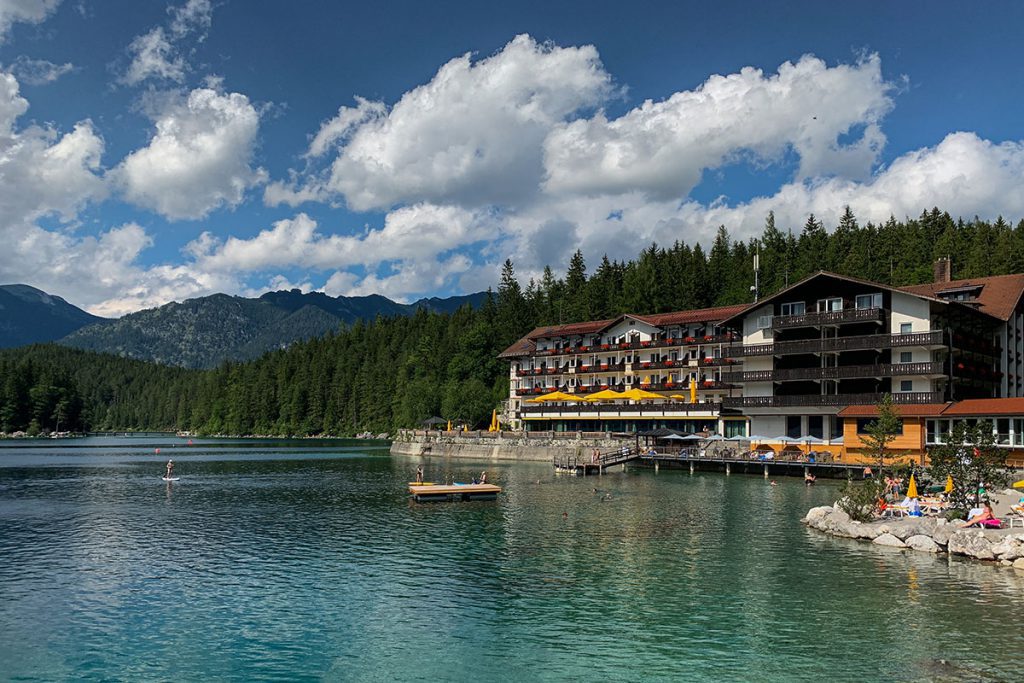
[{"x": 980, "y": 518}]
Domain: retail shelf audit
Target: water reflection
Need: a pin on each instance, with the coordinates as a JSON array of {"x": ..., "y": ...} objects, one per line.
[{"x": 315, "y": 564}]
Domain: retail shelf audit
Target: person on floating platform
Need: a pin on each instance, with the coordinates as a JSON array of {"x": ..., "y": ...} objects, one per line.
[
  {"x": 483, "y": 477},
  {"x": 419, "y": 474},
  {"x": 170, "y": 469}
]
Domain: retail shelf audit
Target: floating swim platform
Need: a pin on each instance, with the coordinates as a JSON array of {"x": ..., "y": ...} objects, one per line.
[
  {"x": 442, "y": 492},
  {"x": 422, "y": 483}
]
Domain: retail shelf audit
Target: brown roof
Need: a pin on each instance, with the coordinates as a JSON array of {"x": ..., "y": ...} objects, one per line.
[
  {"x": 999, "y": 295},
  {"x": 523, "y": 347},
  {"x": 912, "y": 410},
  {"x": 701, "y": 315},
  {"x": 986, "y": 406},
  {"x": 571, "y": 328}
]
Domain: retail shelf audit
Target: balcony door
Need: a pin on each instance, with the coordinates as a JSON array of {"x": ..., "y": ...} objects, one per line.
[{"x": 828, "y": 305}]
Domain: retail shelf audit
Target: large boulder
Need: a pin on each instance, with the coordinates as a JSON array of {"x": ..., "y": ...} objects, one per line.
[
  {"x": 890, "y": 541},
  {"x": 1019, "y": 564},
  {"x": 970, "y": 543},
  {"x": 815, "y": 516},
  {"x": 1009, "y": 547},
  {"x": 942, "y": 531},
  {"x": 914, "y": 526},
  {"x": 923, "y": 543}
]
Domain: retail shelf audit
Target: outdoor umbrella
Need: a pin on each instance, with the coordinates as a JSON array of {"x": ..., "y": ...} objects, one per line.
[
  {"x": 1018, "y": 484},
  {"x": 604, "y": 395},
  {"x": 554, "y": 396},
  {"x": 677, "y": 397},
  {"x": 681, "y": 437},
  {"x": 714, "y": 437},
  {"x": 636, "y": 394},
  {"x": 949, "y": 484},
  {"x": 431, "y": 421},
  {"x": 912, "y": 487},
  {"x": 693, "y": 390}
]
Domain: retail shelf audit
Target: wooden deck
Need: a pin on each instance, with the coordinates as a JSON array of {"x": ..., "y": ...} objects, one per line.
[{"x": 441, "y": 492}]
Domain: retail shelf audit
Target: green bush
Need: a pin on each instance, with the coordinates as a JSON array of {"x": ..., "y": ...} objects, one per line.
[{"x": 860, "y": 499}]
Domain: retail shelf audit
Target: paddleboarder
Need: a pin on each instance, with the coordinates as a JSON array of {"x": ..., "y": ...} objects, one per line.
[{"x": 170, "y": 469}]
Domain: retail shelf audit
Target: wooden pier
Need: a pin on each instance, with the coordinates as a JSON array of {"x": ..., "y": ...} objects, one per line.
[
  {"x": 423, "y": 493},
  {"x": 691, "y": 458}
]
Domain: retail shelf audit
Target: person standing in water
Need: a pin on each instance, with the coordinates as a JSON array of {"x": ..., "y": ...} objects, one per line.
[{"x": 170, "y": 469}]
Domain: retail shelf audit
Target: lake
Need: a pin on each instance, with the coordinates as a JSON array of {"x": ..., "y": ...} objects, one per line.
[{"x": 305, "y": 560}]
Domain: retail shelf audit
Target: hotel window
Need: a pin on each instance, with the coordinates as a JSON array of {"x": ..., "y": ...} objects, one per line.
[
  {"x": 793, "y": 308},
  {"x": 864, "y": 422},
  {"x": 1018, "y": 432},
  {"x": 1003, "y": 431},
  {"x": 907, "y": 385},
  {"x": 865, "y": 301},
  {"x": 825, "y": 305},
  {"x": 815, "y": 426},
  {"x": 735, "y": 428},
  {"x": 906, "y": 356},
  {"x": 793, "y": 426},
  {"x": 764, "y": 322},
  {"x": 906, "y": 328}
]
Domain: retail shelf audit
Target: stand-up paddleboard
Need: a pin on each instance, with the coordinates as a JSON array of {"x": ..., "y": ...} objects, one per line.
[{"x": 170, "y": 478}]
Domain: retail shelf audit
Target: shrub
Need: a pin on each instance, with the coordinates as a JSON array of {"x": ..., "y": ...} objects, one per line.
[{"x": 860, "y": 499}]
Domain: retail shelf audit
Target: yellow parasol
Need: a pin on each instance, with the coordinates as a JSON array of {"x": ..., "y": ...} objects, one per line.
[
  {"x": 449, "y": 425},
  {"x": 912, "y": 487},
  {"x": 693, "y": 390},
  {"x": 1018, "y": 484},
  {"x": 554, "y": 396},
  {"x": 678, "y": 397},
  {"x": 494, "y": 421},
  {"x": 949, "y": 484},
  {"x": 636, "y": 394},
  {"x": 605, "y": 395},
  {"x": 646, "y": 380},
  {"x": 465, "y": 427}
]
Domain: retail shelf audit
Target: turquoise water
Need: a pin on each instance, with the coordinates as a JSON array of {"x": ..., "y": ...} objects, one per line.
[{"x": 306, "y": 561}]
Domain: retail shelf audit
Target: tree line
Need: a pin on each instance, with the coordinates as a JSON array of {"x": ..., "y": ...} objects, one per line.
[{"x": 394, "y": 372}]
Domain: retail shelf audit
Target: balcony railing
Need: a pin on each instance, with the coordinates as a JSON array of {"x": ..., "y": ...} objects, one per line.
[
  {"x": 724, "y": 338},
  {"x": 831, "y": 400},
  {"x": 647, "y": 409},
  {"x": 841, "y": 372},
  {"x": 849, "y": 315},
  {"x": 855, "y": 343}
]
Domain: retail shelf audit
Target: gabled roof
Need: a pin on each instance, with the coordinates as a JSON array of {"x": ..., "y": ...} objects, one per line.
[
  {"x": 588, "y": 327},
  {"x": 523, "y": 347},
  {"x": 981, "y": 407},
  {"x": 999, "y": 297},
  {"x": 910, "y": 410},
  {"x": 845, "y": 278},
  {"x": 701, "y": 315}
]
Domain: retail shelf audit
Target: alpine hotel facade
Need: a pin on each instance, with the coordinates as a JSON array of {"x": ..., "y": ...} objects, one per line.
[{"x": 789, "y": 364}]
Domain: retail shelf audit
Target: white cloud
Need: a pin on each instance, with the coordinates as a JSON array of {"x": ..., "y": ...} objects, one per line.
[
  {"x": 27, "y": 11},
  {"x": 39, "y": 71},
  {"x": 199, "y": 159},
  {"x": 472, "y": 135},
  {"x": 157, "y": 54},
  {"x": 407, "y": 278},
  {"x": 663, "y": 148}
]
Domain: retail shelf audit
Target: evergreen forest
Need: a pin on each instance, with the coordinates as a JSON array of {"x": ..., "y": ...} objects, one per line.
[{"x": 395, "y": 372}]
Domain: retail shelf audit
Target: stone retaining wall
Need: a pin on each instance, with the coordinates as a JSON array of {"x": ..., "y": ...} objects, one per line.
[{"x": 925, "y": 534}]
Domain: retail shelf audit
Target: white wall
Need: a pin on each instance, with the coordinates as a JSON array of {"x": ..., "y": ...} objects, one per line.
[
  {"x": 910, "y": 309},
  {"x": 751, "y": 333}
]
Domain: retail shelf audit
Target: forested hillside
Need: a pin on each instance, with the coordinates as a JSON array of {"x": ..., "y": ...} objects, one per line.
[{"x": 395, "y": 372}]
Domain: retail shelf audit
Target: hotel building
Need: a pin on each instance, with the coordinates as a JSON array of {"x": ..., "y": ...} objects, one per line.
[{"x": 786, "y": 365}]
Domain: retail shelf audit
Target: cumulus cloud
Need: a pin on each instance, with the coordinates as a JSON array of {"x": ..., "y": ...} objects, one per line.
[
  {"x": 157, "y": 54},
  {"x": 472, "y": 135},
  {"x": 27, "y": 11},
  {"x": 663, "y": 148},
  {"x": 199, "y": 158},
  {"x": 39, "y": 71}
]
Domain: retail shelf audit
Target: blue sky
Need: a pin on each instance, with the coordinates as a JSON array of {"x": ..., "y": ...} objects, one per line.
[{"x": 156, "y": 152}]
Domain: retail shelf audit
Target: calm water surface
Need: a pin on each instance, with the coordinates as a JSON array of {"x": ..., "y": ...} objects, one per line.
[{"x": 306, "y": 561}]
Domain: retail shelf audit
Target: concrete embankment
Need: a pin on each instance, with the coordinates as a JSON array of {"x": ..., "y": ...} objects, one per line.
[
  {"x": 925, "y": 534},
  {"x": 537, "y": 447}
]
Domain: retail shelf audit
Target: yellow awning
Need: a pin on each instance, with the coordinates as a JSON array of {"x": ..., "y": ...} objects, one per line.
[
  {"x": 554, "y": 396},
  {"x": 636, "y": 394},
  {"x": 605, "y": 395}
]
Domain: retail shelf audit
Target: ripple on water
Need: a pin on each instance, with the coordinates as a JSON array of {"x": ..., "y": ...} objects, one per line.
[{"x": 255, "y": 567}]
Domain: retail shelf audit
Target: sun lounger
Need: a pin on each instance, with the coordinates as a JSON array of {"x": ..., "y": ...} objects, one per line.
[{"x": 1014, "y": 518}]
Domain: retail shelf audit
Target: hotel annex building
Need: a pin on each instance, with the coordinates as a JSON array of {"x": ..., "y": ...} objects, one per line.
[{"x": 786, "y": 365}]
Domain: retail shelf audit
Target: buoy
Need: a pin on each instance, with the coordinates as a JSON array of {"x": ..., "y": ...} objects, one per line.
[
  {"x": 190, "y": 442},
  {"x": 157, "y": 451}
]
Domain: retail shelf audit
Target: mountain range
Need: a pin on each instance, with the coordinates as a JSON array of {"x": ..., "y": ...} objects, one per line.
[{"x": 201, "y": 332}]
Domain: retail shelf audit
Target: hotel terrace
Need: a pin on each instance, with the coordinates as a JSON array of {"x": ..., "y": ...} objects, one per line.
[{"x": 787, "y": 365}]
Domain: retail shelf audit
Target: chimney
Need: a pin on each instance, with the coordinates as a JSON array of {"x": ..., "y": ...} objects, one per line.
[{"x": 943, "y": 270}]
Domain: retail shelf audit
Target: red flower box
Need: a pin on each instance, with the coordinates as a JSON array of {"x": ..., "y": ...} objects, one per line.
[
  {"x": 708, "y": 337},
  {"x": 646, "y": 344},
  {"x": 709, "y": 360},
  {"x": 670, "y": 363},
  {"x": 584, "y": 349},
  {"x": 624, "y": 345},
  {"x": 605, "y": 347},
  {"x": 645, "y": 364},
  {"x": 670, "y": 340},
  {"x": 709, "y": 383},
  {"x": 690, "y": 340},
  {"x": 538, "y": 390},
  {"x": 604, "y": 366}
]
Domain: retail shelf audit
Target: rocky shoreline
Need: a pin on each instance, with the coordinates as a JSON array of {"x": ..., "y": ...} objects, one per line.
[{"x": 924, "y": 534}]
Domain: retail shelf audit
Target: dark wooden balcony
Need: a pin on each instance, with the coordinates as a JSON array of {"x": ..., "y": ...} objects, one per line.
[
  {"x": 672, "y": 342},
  {"x": 830, "y": 400},
  {"x": 644, "y": 366},
  {"x": 849, "y": 315},
  {"x": 862, "y": 342},
  {"x": 601, "y": 367},
  {"x": 836, "y": 373}
]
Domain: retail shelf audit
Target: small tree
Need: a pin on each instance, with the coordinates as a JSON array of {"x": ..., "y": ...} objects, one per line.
[
  {"x": 971, "y": 458},
  {"x": 882, "y": 431}
]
